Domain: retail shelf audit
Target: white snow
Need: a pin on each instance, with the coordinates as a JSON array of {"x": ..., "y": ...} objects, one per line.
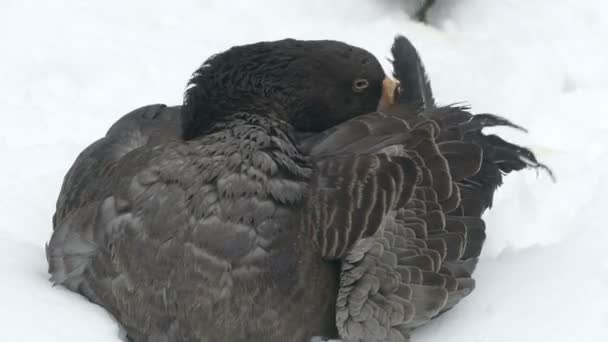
[{"x": 68, "y": 69}]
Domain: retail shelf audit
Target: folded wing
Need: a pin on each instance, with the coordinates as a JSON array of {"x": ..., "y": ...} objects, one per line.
[{"x": 407, "y": 255}]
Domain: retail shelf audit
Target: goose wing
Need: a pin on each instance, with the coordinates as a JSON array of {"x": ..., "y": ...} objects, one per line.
[
  {"x": 86, "y": 181},
  {"x": 406, "y": 255},
  {"x": 95, "y": 219}
]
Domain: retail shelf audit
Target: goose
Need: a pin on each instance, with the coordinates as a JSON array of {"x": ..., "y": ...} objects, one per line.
[{"x": 297, "y": 195}]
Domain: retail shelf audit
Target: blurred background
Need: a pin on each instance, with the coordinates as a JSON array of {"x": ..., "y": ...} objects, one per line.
[{"x": 69, "y": 69}]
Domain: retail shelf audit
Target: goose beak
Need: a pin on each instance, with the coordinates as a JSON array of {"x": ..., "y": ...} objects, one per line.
[{"x": 389, "y": 86}]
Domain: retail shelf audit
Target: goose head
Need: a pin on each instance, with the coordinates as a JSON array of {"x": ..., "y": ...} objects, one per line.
[{"x": 312, "y": 85}]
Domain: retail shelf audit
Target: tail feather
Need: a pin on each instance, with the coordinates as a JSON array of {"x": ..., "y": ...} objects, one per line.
[{"x": 409, "y": 70}]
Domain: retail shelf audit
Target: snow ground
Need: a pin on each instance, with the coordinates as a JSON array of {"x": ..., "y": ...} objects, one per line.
[{"x": 71, "y": 68}]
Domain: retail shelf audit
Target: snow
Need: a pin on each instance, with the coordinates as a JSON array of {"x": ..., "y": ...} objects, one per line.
[{"x": 71, "y": 68}]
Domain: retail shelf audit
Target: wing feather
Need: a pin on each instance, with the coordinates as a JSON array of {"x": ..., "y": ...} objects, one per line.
[{"x": 419, "y": 262}]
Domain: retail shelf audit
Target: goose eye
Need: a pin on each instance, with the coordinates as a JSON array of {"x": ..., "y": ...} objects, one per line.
[{"x": 360, "y": 84}]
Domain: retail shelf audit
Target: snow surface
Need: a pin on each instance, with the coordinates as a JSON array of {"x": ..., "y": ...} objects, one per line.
[{"x": 71, "y": 68}]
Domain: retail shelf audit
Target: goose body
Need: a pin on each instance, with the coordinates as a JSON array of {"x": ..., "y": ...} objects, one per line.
[{"x": 253, "y": 223}]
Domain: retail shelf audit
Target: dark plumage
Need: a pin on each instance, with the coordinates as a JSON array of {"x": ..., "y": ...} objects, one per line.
[
  {"x": 262, "y": 78},
  {"x": 269, "y": 209},
  {"x": 201, "y": 239}
]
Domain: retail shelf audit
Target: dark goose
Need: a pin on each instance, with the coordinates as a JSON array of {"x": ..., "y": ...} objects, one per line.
[{"x": 268, "y": 208}]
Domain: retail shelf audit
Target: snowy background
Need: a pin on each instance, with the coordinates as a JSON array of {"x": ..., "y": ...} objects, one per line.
[{"x": 69, "y": 69}]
